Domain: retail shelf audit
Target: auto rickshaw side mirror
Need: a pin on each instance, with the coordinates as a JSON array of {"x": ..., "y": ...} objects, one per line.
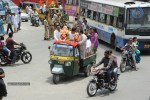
[{"x": 49, "y": 47}]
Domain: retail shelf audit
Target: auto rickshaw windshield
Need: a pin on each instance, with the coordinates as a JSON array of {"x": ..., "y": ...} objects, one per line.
[{"x": 62, "y": 50}]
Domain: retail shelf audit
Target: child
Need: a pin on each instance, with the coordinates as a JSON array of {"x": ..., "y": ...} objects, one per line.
[{"x": 4, "y": 48}]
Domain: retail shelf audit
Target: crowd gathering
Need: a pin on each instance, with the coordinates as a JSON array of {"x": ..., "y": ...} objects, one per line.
[
  {"x": 13, "y": 21},
  {"x": 80, "y": 33}
]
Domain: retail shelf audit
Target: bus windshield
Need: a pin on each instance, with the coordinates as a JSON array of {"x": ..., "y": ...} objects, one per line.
[
  {"x": 62, "y": 50},
  {"x": 138, "y": 18}
]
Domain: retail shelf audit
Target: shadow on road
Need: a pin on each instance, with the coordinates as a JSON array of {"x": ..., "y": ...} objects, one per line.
[{"x": 66, "y": 80}]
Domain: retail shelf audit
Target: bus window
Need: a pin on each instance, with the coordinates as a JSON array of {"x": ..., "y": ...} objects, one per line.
[
  {"x": 108, "y": 20},
  {"x": 94, "y": 15},
  {"x": 115, "y": 22},
  {"x": 111, "y": 20},
  {"x": 120, "y": 21},
  {"x": 89, "y": 14},
  {"x": 82, "y": 13},
  {"x": 103, "y": 18}
]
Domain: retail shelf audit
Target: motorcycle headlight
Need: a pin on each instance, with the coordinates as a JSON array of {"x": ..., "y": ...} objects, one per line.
[
  {"x": 68, "y": 63},
  {"x": 50, "y": 62}
]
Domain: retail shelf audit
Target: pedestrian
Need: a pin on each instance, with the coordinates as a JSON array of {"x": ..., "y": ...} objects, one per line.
[
  {"x": 44, "y": 8},
  {"x": 57, "y": 33},
  {"x": 9, "y": 22},
  {"x": 51, "y": 28},
  {"x": 75, "y": 23},
  {"x": 46, "y": 28},
  {"x": 1, "y": 26},
  {"x": 82, "y": 42},
  {"x": 15, "y": 22},
  {"x": 94, "y": 40},
  {"x": 85, "y": 25},
  {"x": 19, "y": 20},
  {"x": 3, "y": 91}
]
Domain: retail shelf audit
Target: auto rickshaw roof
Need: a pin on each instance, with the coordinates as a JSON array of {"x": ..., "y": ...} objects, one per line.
[{"x": 71, "y": 43}]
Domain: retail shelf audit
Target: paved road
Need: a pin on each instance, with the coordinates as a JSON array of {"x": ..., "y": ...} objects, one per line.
[{"x": 133, "y": 85}]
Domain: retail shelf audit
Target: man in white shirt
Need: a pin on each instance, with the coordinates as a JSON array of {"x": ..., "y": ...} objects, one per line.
[
  {"x": 44, "y": 8},
  {"x": 71, "y": 34},
  {"x": 82, "y": 42},
  {"x": 57, "y": 33}
]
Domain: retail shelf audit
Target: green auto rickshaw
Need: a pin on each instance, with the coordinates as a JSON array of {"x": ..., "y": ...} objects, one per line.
[{"x": 65, "y": 60}]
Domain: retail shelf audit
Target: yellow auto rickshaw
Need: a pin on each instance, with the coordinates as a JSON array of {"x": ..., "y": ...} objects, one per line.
[{"x": 65, "y": 60}]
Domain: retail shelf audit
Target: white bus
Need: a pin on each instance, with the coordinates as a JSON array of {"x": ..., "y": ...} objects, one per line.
[{"x": 117, "y": 20}]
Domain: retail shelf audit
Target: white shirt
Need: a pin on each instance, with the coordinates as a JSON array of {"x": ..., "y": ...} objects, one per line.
[
  {"x": 56, "y": 35},
  {"x": 88, "y": 44},
  {"x": 71, "y": 36},
  {"x": 44, "y": 8}
]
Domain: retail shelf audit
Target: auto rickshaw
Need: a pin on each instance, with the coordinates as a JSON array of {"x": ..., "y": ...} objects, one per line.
[{"x": 65, "y": 60}]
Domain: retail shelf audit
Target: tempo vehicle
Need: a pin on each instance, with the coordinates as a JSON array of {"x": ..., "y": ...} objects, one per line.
[{"x": 65, "y": 60}]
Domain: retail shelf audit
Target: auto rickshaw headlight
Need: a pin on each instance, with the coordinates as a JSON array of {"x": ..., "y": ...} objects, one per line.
[
  {"x": 50, "y": 62},
  {"x": 68, "y": 63}
]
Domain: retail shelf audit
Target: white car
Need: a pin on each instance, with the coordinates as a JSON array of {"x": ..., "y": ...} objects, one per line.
[{"x": 24, "y": 16}]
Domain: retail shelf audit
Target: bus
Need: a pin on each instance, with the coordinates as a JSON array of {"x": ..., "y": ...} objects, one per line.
[{"x": 118, "y": 20}]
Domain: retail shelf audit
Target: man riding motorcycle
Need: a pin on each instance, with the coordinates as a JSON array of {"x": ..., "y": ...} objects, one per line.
[
  {"x": 130, "y": 47},
  {"x": 10, "y": 45},
  {"x": 33, "y": 16},
  {"x": 109, "y": 66}
]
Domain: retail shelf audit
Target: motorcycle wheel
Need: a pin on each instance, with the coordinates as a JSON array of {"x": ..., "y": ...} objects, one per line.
[
  {"x": 91, "y": 89},
  {"x": 123, "y": 66},
  {"x": 26, "y": 57},
  {"x": 112, "y": 86},
  {"x": 3, "y": 60},
  {"x": 56, "y": 78}
]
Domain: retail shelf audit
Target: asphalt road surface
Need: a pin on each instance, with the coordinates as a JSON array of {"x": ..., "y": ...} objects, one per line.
[{"x": 132, "y": 85}]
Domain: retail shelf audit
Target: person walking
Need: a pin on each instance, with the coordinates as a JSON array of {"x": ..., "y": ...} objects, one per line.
[
  {"x": 94, "y": 40},
  {"x": 15, "y": 22},
  {"x": 9, "y": 22},
  {"x": 19, "y": 20},
  {"x": 46, "y": 27},
  {"x": 3, "y": 91},
  {"x": 1, "y": 26}
]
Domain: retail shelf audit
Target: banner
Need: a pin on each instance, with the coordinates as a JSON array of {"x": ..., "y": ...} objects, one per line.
[{"x": 71, "y": 10}]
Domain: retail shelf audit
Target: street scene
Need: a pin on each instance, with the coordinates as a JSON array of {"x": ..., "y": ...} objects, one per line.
[{"x": 64, "y": 54}]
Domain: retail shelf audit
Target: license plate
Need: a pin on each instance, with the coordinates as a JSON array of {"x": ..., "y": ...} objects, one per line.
[
  {"x": 61, "y": 62},
  {"x": 147, "y": 46}
]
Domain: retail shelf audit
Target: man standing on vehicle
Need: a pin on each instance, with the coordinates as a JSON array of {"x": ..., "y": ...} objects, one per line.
[
  {"x": 109, "y": 65},
  {"x": 10, "y": 45}
]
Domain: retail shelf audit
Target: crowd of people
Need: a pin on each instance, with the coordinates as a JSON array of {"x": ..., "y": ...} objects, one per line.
[
  {"x": 80, "y": 33},
  {"x": 13, "y": 21}
]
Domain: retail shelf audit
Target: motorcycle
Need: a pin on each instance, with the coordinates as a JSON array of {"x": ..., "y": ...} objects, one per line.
[
  {"x": 35, "y": 20},
  {"x": 21, "y": 54},
  {"x": 99, "y": 81},
  {"x": 126, "y": 60}
]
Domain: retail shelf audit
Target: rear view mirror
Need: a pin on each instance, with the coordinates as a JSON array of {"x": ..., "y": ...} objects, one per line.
[{"x": 49, "y": 47}]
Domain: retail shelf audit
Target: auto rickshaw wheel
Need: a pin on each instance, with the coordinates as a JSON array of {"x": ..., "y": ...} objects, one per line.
[
  {"x": 87, "y": 70},
  {"x": 56, "y": 78}
]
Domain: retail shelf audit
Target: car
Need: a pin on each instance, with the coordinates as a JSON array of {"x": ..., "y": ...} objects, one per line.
[{"x": 24, "y": 16}]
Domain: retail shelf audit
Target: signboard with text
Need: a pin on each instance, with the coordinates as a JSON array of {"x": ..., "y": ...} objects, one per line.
[{"x": 71, "y": 10}]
